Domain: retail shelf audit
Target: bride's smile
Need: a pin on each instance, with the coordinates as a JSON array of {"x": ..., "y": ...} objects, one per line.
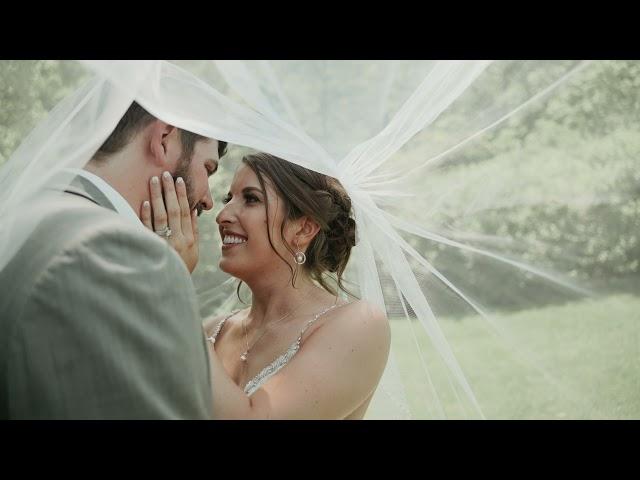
[{"x": 231, "y": 239}]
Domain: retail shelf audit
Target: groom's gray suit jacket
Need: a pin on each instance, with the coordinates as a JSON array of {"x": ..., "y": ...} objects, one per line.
[{"x": 98, "y": 319}]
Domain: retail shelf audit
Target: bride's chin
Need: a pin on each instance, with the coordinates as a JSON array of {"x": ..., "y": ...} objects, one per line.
[{"x": 228, "y": 267}]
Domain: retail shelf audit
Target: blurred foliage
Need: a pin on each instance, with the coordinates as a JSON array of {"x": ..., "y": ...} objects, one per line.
[
  {"x": 573, "y": 205},
  {"x": 28, "y": 90},
  {"x": 571, "y": 208}
]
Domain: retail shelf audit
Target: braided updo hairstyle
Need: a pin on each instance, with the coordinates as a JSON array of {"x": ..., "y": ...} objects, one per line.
[{"x": 320, "y": 197}]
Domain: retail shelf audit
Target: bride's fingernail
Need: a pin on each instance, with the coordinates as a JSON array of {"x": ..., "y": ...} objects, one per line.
[
  {"x": 146, "y": 204},
  {"x": 154, "y": 180},
  {"x": 180, "y": 181},
  {"x": 166, "y": 176}
]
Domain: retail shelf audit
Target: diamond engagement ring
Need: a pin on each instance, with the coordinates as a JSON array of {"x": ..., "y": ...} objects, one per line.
[{"x": 165, "y": 232}]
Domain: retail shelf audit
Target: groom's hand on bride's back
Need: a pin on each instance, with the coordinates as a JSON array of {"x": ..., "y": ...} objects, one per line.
[{"x": 170, "y": 215}]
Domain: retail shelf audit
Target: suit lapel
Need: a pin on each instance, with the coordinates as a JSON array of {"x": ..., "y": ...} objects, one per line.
[{"x": 82, "y": 187}]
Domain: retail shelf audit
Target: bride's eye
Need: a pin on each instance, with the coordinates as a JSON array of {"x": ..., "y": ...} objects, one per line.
[
  {"x": 226, "y": 199},
  {"x": 251, "y": 198}
]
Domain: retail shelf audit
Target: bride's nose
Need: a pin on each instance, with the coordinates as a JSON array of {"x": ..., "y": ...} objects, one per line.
[{"x": 225, "y": 215}]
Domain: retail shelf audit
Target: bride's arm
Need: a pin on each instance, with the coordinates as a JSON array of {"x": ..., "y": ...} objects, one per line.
[
  {"x": 229, "y": 400},
  {"x": 169, "y": 206}
]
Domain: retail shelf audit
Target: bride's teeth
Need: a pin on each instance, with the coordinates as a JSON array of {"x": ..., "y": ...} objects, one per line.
[{"x": 228, "y": 239}]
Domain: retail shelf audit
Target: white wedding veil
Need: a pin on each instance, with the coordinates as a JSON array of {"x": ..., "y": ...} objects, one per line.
[{"x": 496, "y": 206}]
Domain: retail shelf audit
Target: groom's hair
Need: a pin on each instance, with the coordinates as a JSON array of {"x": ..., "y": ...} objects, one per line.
[{"x": 133, "y": 121}]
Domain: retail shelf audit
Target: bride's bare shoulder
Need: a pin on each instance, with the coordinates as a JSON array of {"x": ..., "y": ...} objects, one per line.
[
  {"x": 363, "y": 310},
  {"x": 355, "y": 338},
  {"x": 212, "y": 322},
  {"x": 360, "y": 319}
]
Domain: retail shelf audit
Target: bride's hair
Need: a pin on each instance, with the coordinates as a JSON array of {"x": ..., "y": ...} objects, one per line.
[{"x": 320, "y": 197}]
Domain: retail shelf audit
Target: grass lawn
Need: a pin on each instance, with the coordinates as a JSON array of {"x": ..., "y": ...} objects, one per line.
[{"x": 575, "y": 361}]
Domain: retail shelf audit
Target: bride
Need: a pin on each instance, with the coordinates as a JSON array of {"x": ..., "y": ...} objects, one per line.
[{"x": 299, "y": 350}]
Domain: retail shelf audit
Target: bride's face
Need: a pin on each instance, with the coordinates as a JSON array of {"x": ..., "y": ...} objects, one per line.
[{"x": 243, "y": 223}]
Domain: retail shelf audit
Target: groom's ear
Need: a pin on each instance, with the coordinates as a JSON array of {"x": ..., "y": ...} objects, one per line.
[{"x": 162, "y": 144}]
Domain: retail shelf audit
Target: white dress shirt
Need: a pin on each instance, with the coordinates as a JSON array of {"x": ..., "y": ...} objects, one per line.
[{"x": 117, "y": 200}]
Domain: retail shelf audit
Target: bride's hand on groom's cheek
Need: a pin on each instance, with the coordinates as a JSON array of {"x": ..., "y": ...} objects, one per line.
[{"x": 173, "y": 212}]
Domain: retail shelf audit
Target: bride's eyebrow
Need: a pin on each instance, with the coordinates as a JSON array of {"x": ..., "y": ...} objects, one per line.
[{"x": 249, "y": 189}]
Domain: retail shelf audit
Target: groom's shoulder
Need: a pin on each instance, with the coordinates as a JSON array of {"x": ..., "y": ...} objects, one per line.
[
  {"x": 74, "y": 243},
  {"x": 69, "y": 227},
  {"x": 70, "y": 220}
]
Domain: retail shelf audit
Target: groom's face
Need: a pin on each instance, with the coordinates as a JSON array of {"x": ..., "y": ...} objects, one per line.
[{"x": 196, "y": 172}]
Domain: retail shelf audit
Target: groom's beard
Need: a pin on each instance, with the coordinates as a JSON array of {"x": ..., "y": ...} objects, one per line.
[{"x": 183, "y": 171}]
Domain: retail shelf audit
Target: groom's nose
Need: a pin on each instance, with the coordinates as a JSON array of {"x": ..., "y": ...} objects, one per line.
[{"x": 207, "y": 201}]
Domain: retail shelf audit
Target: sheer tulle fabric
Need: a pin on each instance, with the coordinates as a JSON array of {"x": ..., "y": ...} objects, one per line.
[{"x": 444, "y": 162}]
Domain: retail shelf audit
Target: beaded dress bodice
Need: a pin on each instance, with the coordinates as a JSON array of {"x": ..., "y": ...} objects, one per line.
[{"x": 274, "y": 367}]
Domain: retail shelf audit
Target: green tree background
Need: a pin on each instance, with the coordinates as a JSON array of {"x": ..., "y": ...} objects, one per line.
[{"x": 588, "y": 132}]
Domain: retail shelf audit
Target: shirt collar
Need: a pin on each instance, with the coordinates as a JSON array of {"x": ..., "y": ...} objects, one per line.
[{"x": 118, "y": 201}]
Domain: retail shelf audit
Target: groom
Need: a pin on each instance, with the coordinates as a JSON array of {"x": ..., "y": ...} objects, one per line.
[{"x": 99, "y": 314}]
